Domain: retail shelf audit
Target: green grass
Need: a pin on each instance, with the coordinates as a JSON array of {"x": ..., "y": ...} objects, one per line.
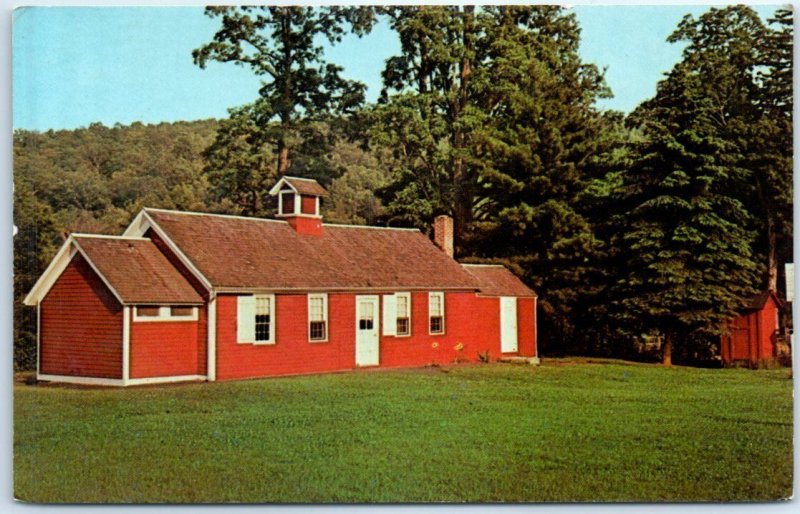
[{"x": 565, "y": 431}]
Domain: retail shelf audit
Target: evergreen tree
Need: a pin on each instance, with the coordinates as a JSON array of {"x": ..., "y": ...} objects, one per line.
[
  {"x": 770, "y": 144},
  {"x": 689, "y": 236}
]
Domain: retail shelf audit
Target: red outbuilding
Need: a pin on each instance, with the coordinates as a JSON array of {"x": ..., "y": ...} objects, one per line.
[
  {"x": 753, "y": 335},
  {"x": 195, "y": 296}
]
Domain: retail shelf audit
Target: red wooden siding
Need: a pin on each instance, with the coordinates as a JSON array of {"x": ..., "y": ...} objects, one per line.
[
  {"x": 526, "y": 325},
  {"x": 308, "y": 204},
  {"x": 752, "y": 336},
  {"x": 168, "y": 348},
  {"x": 81, "y": 326},
  {"x": 292, "y": 353},
  {"x": 470, "y": 321},
  {"x": 768, "y": 326}
]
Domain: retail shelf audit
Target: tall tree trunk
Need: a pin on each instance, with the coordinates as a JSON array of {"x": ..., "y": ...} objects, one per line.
[
  {"x": 666, "y": 348},
  {"x": 283, "y": 157},
  {"x": 772, "y": 255},
  {"x": 462, "y": 211}
]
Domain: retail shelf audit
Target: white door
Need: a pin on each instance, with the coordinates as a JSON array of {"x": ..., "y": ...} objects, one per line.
[
  {"x": 508, "y": 324},
  {"x": 367, "y": 342}
]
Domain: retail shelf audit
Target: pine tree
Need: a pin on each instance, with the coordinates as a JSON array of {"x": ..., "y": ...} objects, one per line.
[{"x": 689, "y": 236}]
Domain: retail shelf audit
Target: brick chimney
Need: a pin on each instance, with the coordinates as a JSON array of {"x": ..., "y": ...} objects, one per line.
[
  {"x": 443, "y": 233},
  {"x": 298, "y": 204}
]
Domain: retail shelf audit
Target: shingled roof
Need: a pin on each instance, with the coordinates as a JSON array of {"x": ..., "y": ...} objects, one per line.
[
  {"x": 234, "y": 252},
  {"x": 497, "y": 280},
  {"x": 306, "y": 186},
  {"x": 757, "y": 302},
  {"x": 137, "y": 270}
]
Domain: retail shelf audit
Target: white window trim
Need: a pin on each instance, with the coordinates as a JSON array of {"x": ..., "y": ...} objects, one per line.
[
  {"x": 324, "y": 297},
  {"x": 408, "y": 304},
  {"x": 272, "y": 319},
  {"x": 163, "y": 314},
  {"x": 444, "y": 325}
]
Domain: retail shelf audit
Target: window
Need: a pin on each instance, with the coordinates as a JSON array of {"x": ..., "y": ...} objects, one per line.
[
  {"x": 403, "y": 314},
  {"x": 366, "y": 315},
  {"x": 148, "y": 311},
  {"x": 436, "y": 313},
  {"x": 263, "y": 318},
  {"x": 256, "y": 319},
  {"x": 287, "y": 201},
  {"x": 318, "y": 317},
  {"x": 165, "y": 313},
  {"x": 179, "y": 310}
]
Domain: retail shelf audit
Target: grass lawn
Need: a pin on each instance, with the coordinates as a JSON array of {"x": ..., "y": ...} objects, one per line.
[{"x": 564, "y": 431}]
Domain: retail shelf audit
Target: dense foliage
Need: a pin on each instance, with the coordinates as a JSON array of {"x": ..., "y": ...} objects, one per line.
[{"x": 661, "y": 223}]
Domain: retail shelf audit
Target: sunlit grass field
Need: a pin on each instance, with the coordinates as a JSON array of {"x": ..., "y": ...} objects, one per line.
[{"x": 568, "y": 430}]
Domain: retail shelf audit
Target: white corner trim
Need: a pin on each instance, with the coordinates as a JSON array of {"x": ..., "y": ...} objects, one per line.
[
  {"x": 126, "y": 344},
  {"x": 535, "y": 329},
  {"x": 67, "y": 379},
  {"x": 299, "y": 215},
  {"x": 177, "y": 251},
  {"x": 106, "y": 236},
  {"x": 137, "y": 227},
  {"x": 211, "y": 327},
  {"x": 57, "y": 266},
  {"x": 277, "y": 187},
  {"x": 51, "y": 273},
  {"x": 165, "y": 380},
  {"x": 38, "y": 335},
  {"x": 97, "y": 271}
]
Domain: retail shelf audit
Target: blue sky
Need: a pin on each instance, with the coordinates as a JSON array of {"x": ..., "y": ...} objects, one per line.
[{"x": 75, "y": 66}]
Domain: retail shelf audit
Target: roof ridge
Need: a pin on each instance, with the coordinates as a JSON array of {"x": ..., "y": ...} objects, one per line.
[
  {"x": 195, "y": 213},
  {"x": 251, "y": 218},
  {"x": 301, "y": 178},
  {"x": 108, "y": 236},
  {"x": 370, "y": 227}
]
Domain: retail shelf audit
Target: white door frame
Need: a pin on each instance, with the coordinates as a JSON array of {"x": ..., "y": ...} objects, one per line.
[
  {"x": 365, "y": 347},
  {"x": 509, "y": 327}
]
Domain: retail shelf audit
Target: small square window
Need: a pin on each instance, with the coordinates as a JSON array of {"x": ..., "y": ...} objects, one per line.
[
  {"x": 180, "y": 310},
  {"x": 317, "y": 331},
  {"x": 402, "y": 326},
  {"x": 147, "y": 311}
]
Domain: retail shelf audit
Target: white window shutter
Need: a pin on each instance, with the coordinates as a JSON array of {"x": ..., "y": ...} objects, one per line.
[
  {"x": 389, "y": 315},
  {"x": 246, "y": 319}
]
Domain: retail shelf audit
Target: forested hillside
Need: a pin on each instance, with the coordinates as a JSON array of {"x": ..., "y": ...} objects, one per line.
[{"x": 662, "y": 222}]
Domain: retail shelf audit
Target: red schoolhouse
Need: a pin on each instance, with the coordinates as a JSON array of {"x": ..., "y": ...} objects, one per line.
[{"x": 193, "y": 296}]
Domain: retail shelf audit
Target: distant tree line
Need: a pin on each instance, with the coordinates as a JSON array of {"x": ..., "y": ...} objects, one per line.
[{"x": 660, "y": 223}]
